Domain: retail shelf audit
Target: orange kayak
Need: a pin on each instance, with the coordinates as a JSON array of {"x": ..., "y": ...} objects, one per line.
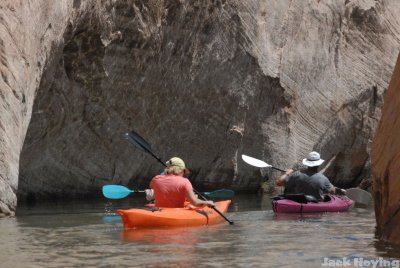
[{"x": 173, "y": 217}]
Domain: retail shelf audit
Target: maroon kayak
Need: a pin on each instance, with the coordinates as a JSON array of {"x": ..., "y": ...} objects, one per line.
[{"x": 333, "y": 204}]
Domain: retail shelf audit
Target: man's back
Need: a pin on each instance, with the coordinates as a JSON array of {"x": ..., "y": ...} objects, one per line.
[{"x": 308, "y": 182}]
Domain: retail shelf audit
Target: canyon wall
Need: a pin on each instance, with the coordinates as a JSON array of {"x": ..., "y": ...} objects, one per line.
[
  {"x": 386, "y": 164},
  {"x": 206, "y": 81},
  {"x": 28, "y": 34}
]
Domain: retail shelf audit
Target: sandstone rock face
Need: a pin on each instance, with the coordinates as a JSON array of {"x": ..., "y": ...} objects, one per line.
[
  {"x": 27, "y": 36},
  {"x": 206, "y": 81},
  {"x": 386, "y": 164}
]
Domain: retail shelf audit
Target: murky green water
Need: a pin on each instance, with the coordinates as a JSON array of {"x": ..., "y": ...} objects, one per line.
[{"x": 88, "y": 234}]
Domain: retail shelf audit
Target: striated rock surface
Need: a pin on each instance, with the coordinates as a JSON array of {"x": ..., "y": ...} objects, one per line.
[
  {"x": 206, "y": 81},
  {"x": 28, "y": 33},
  {"x": 386, "y": 164}
]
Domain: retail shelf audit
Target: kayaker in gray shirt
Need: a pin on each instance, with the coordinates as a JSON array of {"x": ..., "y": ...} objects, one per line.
[{"x": 309, "y": 181}]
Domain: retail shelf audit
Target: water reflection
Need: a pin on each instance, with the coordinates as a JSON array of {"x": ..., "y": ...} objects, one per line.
[
  {"x": 178, "y": 235},
  {"x": 160, "y": 236},
  {"x": 91, "y": 234},
  {"x": 110, "y": 219},
  {"x": 387, "y": 250},
  {"x": 297, "y": 216}
]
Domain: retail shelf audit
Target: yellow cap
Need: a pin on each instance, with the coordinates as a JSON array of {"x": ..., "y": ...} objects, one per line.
[{"x": 177, "y": 162}]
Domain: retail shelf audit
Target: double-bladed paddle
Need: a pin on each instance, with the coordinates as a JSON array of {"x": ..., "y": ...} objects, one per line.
[
  {"x": 119, "y": 192},
  {"x": 359, "y": 196},
  {"x": 222, "y": 193},
  {"x": 356, "y": 194},
  {"x": 258, "y": 163},
  {"x": 144, "y": 146}
]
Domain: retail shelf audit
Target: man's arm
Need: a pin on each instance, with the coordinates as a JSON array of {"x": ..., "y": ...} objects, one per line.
[
  {"x": 282, "y": 179},
  {"x": 339, "y": 191},
  {"x": 331, "y": 189}
]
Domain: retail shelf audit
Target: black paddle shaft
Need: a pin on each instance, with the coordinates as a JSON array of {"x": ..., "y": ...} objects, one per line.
[
  {"x": 278, "y": 169},
  {"x": 216, "y": 210},
  {"x": 143, "y": 145}
]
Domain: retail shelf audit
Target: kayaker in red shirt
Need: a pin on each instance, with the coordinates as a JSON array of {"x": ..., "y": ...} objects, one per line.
[{"x": 172, "y": 189}]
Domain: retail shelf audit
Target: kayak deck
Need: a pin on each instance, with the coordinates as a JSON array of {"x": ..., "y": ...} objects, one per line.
[
  {"x": 335, "y": 204},
  {"x": 173, "y": 217}
]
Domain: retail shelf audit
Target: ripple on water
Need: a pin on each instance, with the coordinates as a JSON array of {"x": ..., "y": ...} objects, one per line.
[{"x": 92, "y": 236}]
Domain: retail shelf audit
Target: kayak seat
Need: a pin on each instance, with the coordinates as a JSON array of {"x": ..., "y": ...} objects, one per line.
[
  {"x": 327, "y": 198},
  {"x": 300, "y": 198},
  {"x": 153, "y": 209}
]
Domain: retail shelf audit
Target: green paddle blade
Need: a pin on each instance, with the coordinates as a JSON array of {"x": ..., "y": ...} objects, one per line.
[
  {"x": 116, "y": 191},
  {"x": 223, "y": 193}
]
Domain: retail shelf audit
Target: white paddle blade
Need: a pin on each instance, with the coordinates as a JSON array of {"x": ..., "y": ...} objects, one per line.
[
  {"x": 254, "y": 161},
  {"x": 359, "y": 196}
]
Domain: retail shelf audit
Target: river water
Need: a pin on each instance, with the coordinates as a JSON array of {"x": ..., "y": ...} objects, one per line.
[{"x": 89, "y": 234}]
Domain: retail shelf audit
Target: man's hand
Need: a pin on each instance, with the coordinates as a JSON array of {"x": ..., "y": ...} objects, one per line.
[
  {"x": 340, "y": 191},
  {"x": 281, "y": 180},
  {"x": 209, "y": 203},
  {"x": 289, "y": 171},
  {"x": 149, "y": 194}
]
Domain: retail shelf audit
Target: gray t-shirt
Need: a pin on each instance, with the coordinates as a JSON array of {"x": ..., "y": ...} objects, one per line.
[{"x": 309, "y": 183}]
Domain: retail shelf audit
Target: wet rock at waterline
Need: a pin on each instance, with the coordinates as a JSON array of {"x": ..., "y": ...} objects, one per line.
[
  {"x": 386, "y": 164},
  {"x": 204, "y": 81}
]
